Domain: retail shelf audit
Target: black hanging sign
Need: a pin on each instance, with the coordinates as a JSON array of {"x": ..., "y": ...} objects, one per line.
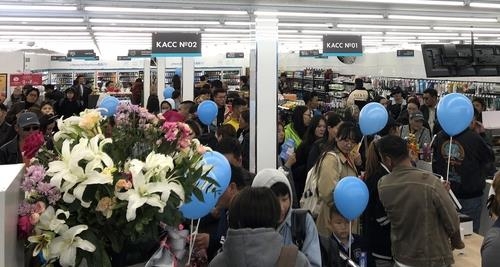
[
  {"x": 123, "y": 58},
  {"x": 309, "y": 53},
  {"x": 342, "y": 45},
  {"x": 235, "y": 55},
  {"x": 406, "y": 53},
  {"x": 176, "y": 45},
  {"x": 139, "y": 53},
  {"x": 81, "y": 54}
]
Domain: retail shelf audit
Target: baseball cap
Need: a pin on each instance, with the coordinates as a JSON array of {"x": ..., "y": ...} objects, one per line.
[
  {"x": 27, "y": 118},
  {"x": 417, "y": 116}
]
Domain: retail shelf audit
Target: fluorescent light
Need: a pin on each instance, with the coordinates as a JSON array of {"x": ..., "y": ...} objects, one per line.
[
  {"x": 124, "y": 34},
  {"x": 312, "y": 25},
  {"x": 481, "y": 34},
  {"x": 288, "y": 31},
  {"x": 318, "y": 15},
  {"x": 43, "y": 33},
  {"x": 143, "y": 21},
  {"x": 139, "y": 29},
  {"x": 164, "y": 11},
  {"x": 445, "y": 38},
  {"x": 484, "y": 5},
  {"x": 223, "y": 35},
  {"x": 297, "y": 36},
  {"x": 383, "y": 26},
  {"x": 467, "y": 29},
  {"x": 32, "y": 19},
  {"x": 407, "y": 17},
  {"x": 239, "y": 23},
  {"x": 341, "y": 32},
  {"x": 37, "y": 8},
  {"x": 423, "y": 33},
  {"x": 228, "y": 30},
  {"x": 412, "y": 2},
  {"x": 42, "y": 28}
]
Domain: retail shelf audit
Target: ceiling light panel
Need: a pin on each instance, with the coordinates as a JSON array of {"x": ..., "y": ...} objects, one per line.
[
  {"x": 423, "y": 33},
  {"x": 310, "y": 25},
  {"x": 319, "y": 15},
  {"x": 445, "y": 38},
  {"x": 362, "y": 26},
  {"x": 228, "y": 30},
  {"x": 47, "y": 19},
  {"x": 436, "y": 18},
  {"x": 481, "y": 34},
  {"x": 38, "y": 8},
  {"x": 140, "y": 29},
  {"x": 42, "y": 28},
  {"x": 43, "y": 33},
  {"x": 163, "y": 11},
  {"x": 484, "y": 5},
  {"x": 467, "y": 29},
  {"x": 239, "y": 23},
  {"x": 143, "y": 21},
  {"x": 411, "y": 2},
  {"x": 341, "y": 32}
]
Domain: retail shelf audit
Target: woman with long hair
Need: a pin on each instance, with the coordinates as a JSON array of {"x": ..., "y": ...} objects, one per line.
[
  {"x": 301, "y": 118},
  {"x": 339, "y": 160},
  {"x": 333, "y": 121}
]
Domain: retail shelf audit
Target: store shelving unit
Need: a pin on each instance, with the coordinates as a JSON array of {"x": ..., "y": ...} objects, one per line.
[
  {"x": 89, "y": 76},
  {"x": 231, "y": 78},
  {"x": 105, "y": 76},
  {"x": 129, "y": 76},
  {"x": 61, "y": 80},
  {"x": 229, "y": 75},
  {"x": 169, "y": 74}
]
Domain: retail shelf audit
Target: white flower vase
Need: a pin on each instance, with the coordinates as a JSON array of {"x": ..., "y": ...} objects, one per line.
[{"x": 177, "y": 241}]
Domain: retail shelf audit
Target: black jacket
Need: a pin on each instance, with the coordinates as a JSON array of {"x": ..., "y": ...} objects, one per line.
[
  {"x": 358, "y": 246},
  {"x": 10, "y": 153},
  {"x": 7, "y": 132},
  {"x": 67, "y": 108},
  {"x": 469, "y": 156},
  {"x": 244, "y": 138},
  {"x": 15, "y": 109},
  {"x": 425, "y": 111},
  {"x": 83, "y": 97}
]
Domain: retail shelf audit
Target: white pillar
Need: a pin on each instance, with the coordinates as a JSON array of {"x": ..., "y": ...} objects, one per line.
[
  {"x": 187, "y": 78},
  {"x": 161, "y": 64},
  {"x": 146, "y": 81},
  {"x": 264, "y": 139}
]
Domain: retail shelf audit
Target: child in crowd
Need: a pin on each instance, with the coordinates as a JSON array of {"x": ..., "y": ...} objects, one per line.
[{"x": 339, "y": 227}]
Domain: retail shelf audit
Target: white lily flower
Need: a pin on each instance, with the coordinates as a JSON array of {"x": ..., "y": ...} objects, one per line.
[
  {"x": 96, "y": 146},
  {"x": 42, "y": 242},
  {"x": 67, "y": 168},
  {"x": 65, "y": 245},
  {"x": 143, "y": 192},
  {"x": 92, "y": 176},
  {"x": 157, "y": 165},
  {"x": 49, "y": 221},
  {"x": 67, "y": 128}
]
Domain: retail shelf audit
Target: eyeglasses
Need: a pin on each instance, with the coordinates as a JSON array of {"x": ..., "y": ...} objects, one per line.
[{"x": 31, "y": 128}]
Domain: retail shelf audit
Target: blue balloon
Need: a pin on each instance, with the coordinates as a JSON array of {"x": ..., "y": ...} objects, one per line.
[
  {"x": 455, "y": 113},
  {"x": 351, "y": 197},
  {"x": 167, "y": 92},
  {"x": 372, "y": 118},
  {"x": 109, "y": 105},
  {"x": 207, "y": 112},
  {"x": 221, "y": 168},
  {"x": 196, "y": 209}
]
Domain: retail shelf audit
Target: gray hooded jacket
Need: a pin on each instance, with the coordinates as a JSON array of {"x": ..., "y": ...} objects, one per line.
[
  {"x": 311, "y": 246},
  {"x": 259, "y": 247}
]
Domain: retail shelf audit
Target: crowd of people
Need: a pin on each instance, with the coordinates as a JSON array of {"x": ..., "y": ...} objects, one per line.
[{"x": 410, "y": 220}]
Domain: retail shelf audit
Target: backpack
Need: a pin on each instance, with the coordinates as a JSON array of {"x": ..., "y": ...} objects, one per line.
[
  {"x": 288, "y": 256},
  {"x": 310, "y": 198},
  {"x": 329, "y": 248}
]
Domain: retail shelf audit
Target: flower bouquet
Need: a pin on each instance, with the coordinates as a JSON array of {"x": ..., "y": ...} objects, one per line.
[{"x": 93, "y": 196}]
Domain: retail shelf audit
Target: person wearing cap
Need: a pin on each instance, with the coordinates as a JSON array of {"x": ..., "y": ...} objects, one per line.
[
  {"x": 398, "y": 103},
  {"x": 27, "y": 123},
  {"x": 6, "y": 130},
  {"x": 416, "y": 127}
]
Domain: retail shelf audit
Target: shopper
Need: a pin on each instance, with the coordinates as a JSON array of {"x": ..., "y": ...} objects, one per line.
[
  {"x": 252, "y": 240},
  {"x": 244, "y": 86},
  {"x": 16, "y": 96},
  {"x": 301, "y": 118},
  {"x": 404, "y": 116},
  {"x": 82, "y": 91},
  {"x": 212, "y": 242},
  {"x": 31, "y": 99},
  {"x": 70, "y": 105},
  {"x": 315, "y": 132},
  {"x": 416, "y": 127},
  {"x": 469, "y": 157},
  {"x": 429, "y": 110},
  {"x": 225, "y": 131},
  {"x": 352, "y": 114},
  {"x": 111, "y": 87},
  {"x": 491, "y": 243},
  {"x": 137, "y": 91},
  {"x": 10, "y": 152},
  {"x": 167, "y": 105},
  {"x": 333, "y": 121},
  {"x": 312, "y": 102},
  {"x": 480, "y": 106},
  {"x": 338, "y": 161},
  {"x": 281, "y": 187},
  {"x": 47, "y": 108},
  {"x": 219, "y": 97},
  {"x": 153, "y": 104},
  {"x": 52, "y": 95},
  {"x": 7, "y": 132},
  {"x": 359, "y": 96},
  {"x": 237, "y": 106},
  {"x": 398, "y": 103},
  {"x": 340, "y": 233},
  {"x": 285, "y": 164},
  {"x": 204, "y": 94},
  {"x": 283, "y": 86},
  {"x": 243, "y": 134},
  {"x": 423, "y": 217}
]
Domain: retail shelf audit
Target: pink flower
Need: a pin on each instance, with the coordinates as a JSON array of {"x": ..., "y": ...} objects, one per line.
[
  {"x": 39, "y": 207},
  {"x": 24, "y": 227},
  {"x": 201, "y": 149},
  {"x": 34, "y": 218}
]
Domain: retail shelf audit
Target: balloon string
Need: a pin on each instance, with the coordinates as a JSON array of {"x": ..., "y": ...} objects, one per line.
[
  {"x": 449, "y": 159},
  {"x": 193, "y": 239},
  {"x": 350, "y": 238}
]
